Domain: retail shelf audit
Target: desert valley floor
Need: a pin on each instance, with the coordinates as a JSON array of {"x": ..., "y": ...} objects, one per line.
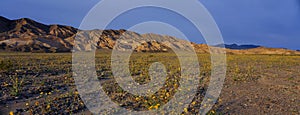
[{"x": 42, "y": 83}]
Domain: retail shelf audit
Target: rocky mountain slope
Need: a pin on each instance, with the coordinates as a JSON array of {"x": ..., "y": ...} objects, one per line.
[{"x": 26, "y": 35}]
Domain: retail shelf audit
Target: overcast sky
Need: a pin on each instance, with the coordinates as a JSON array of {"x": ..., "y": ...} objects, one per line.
[{"x": 272, "y": 23}]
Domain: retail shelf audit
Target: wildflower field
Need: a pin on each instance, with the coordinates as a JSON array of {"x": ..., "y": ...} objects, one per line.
[{"x": 42, "y": 83}]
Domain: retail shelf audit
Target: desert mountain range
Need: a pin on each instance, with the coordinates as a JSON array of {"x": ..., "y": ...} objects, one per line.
[{"x": 26, "y": 35}]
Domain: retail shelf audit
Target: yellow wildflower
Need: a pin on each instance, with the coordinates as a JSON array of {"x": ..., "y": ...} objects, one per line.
[
  {"x": 137, "y": 98},
  {"x": 5, "y": 84},
  {"x": 167, "y": 94},
  {"x": 213, "y": 112},
  {"x": 11, "y": 113},
  {"x": 81, "y": 103},
  {"x": 48, "y": 106},
  {"x": 36, "y": 103},
  {"x": 76, "y": 93},
  {"x": 176, "y": 85},
  {"x": 153, "y": 97},
  {"x": 150, "y": 107},
  {"x": 194, "y": 102},
  {"x": 186, "y": 110},
  {"x": 156, "y": 106}
]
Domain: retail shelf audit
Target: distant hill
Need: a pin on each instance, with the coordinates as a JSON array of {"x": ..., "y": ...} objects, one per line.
[
  {"x": 26, "y": 35},
  {"x": 263, "y": 50},
  {"x": 239, "y": 47}
]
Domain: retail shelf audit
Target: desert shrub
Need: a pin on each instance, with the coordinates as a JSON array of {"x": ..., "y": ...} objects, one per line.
[
  {"x": 17, "y": 83},
  {"x": 5, "y": 65}
]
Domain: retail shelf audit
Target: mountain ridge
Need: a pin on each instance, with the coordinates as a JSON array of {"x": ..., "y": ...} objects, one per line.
[
  {"x": 236, "y": 46},
  {"x": 26, "y": 35}
]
